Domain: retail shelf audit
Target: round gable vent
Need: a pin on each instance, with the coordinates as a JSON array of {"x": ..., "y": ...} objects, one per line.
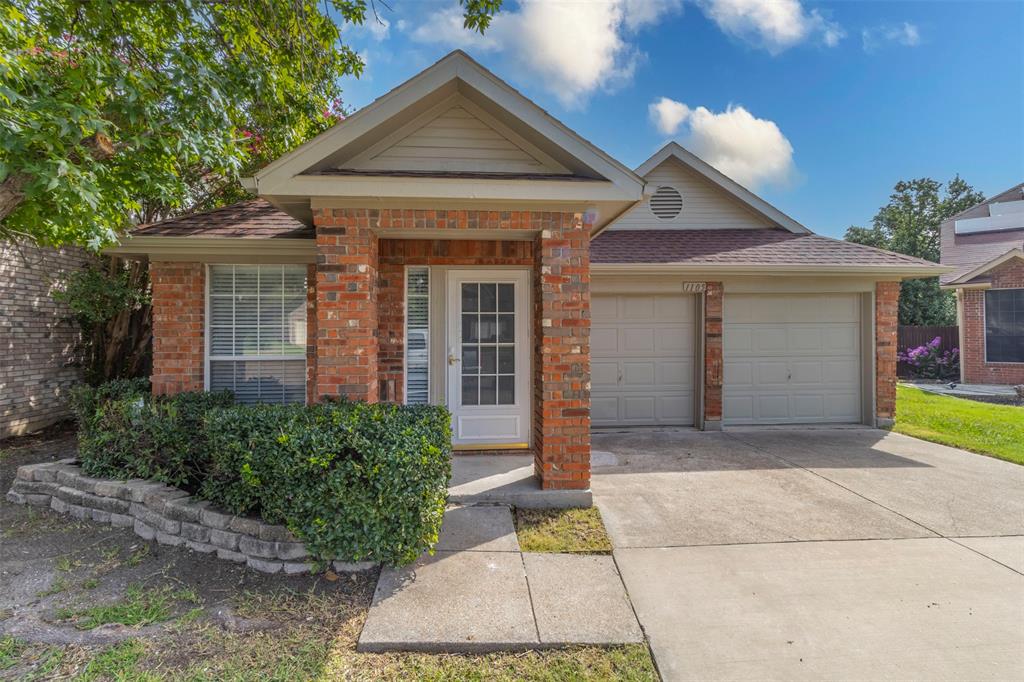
[{"x": 666, "y": 203}]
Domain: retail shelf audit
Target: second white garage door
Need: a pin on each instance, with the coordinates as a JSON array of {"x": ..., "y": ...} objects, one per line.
[
  {"x": 642, "y": 360},
  {"x": 792, "y": 359}
]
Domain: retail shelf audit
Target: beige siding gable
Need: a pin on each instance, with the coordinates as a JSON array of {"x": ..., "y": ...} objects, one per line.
[
  {"x": 458, "y": 136},
  {"x": 705, "y": 206}
]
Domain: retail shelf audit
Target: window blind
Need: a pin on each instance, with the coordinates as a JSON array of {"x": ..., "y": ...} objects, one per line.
[
  {"x": 257, "y": 332},
  {"x": 417, "y": 335}
]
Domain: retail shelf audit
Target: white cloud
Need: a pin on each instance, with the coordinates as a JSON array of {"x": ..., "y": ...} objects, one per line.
[
  {"x": 750, "y": 150},
  {"x": 379, "y": 27},
  {"x": 775, "y": 25},
  {"x": 574, "y": 48},
  {"x": 905, "y": 34},
  {"x": 667, "y": 115}
]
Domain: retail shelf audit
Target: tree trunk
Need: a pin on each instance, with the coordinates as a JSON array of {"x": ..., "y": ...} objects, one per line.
[{"x": 12, "y": 193}]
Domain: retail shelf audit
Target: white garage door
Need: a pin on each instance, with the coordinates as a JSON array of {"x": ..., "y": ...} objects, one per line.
[
  {"x": 642, "y": 360},
  {"x": 791, "y": 359}
]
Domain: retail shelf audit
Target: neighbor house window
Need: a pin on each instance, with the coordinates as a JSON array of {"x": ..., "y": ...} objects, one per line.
[
  {"x": 1004, "y": 325},
  {"x": 417, "y": 336},
  {"x": 257, "y": 332}
]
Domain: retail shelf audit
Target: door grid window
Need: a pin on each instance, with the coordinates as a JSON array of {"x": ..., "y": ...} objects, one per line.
[{"x": 488, "y": 343}]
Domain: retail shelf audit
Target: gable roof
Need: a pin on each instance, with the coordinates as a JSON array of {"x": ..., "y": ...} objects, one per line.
[
  {"x": 965, "y": 276},
  {"x": 680, "y": 154},
  {"x": 768, "y": 250},
  {"x": 970, "y": 254},
  {"x": 456, "y": 81}
]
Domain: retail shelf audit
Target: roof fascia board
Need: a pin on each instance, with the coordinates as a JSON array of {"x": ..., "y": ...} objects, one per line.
[
  {"x": 985, "y": 267},
  {"x": 722, "y": 181},
  {"x": 203, "y": 248},
  {"x": 685, "y": 268},
  {"x": 375, "y": 187}
]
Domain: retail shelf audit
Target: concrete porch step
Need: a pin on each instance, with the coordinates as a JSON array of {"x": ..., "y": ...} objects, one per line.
[{"x": 506, "y": 479}]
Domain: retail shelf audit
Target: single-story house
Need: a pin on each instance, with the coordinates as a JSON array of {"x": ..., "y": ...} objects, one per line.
[
  {"x": 984, "y": 246},
  {"x": 453, "y": 243}
]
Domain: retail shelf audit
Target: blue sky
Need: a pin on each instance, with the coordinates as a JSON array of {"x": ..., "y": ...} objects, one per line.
[{"x": 818, "y": 107}]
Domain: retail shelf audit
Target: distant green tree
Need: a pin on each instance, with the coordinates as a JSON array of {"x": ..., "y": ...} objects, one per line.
[{"x": 909, "y": 224}]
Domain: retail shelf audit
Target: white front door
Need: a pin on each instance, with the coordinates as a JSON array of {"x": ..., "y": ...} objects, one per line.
[{"x": 489, "y": 357}]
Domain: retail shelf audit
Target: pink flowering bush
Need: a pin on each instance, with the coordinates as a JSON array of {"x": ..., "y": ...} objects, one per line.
[{"x": 928, "y": 362}]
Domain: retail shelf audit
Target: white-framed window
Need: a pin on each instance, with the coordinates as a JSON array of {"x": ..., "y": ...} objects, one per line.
[
  {"x": 417, "y": 335},
  {"x": 256, "y": 332}
]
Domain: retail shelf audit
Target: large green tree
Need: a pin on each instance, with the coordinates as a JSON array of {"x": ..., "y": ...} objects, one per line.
[
  {"x": 909, "y": 224},
  {"x": 116, "y": 111}
]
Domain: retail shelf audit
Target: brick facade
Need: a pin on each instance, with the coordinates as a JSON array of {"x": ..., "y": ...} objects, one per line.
[
  {"x": 346, "y": 305},
  {"x": 974, "y": 369},
  {"x": 39, "y": 356},
  {"x": 561, "y": 365},
  {"x": 713, "y": 295},
  {"x": 887, "y": 298},
  {"x": 179, "y": 302}
]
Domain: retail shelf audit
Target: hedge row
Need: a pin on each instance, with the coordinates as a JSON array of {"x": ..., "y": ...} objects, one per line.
[{"x": 354, "y": 481}]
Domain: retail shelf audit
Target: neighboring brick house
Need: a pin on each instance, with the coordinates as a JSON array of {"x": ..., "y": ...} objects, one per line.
[
  {"x": 39, "y": 352},
  {"x": 454, "y": 244},
  {"x": 985, "y": 247}
]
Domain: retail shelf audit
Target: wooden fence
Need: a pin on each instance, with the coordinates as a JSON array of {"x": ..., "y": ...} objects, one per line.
[{"x": 911, "y": 337}]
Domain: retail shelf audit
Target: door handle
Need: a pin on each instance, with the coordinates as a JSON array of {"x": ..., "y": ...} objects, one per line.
[{"x": 452, "y": 357}]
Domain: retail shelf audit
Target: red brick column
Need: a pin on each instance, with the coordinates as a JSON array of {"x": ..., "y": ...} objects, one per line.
[
  {"x": 887, "y": 298},
  {"x": 713, "y": 356},
  {"x": 346, "y": 304},
  {"x": 179, "y": 301},
  {"x": 562, "y": 353}
]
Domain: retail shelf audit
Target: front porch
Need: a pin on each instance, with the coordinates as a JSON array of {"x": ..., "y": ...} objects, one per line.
[{"x": 405, "y": 308}]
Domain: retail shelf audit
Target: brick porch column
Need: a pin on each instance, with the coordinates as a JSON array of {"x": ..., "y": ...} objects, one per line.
[
  {"x": 179, "y": 301},
  {"x": 562, "y": 353},
  {"x": 346, "y": 304},
  {"x": 713, "y": 356},
  {"x": 887, "y": 299}
]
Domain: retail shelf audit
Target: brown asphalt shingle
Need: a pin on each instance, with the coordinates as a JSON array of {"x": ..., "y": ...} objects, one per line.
[
  {"x": 737, "y": 247},
  {"x": 253, "y": 219}
]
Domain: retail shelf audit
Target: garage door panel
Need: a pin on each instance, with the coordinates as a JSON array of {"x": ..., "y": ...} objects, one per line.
[
  {"x": 791, "y": 359},
  {"x": 642, "y": 360}
]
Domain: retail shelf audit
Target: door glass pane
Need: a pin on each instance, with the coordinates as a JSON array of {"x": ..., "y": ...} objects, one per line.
[
  {"x": 488, "y": 390},
  {"x": 488, "y": 298},
  {"x": 506, "y": 298},
  {"x": 506, "y": 360},
  {"x": 506, "y": 328},
  {"x": 488, "y": 328},
  {"x": 470, "y": 359},
  {"x": 506, "y": 390},
  {"x": 469, "y": 390},
  {"x": 488, "y": 360},
  {"x": 470, "y": 298},
  {"x": 470, "y": 328}
]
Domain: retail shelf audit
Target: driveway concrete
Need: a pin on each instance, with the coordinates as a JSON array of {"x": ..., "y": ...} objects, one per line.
[{"x": 817, "y": 553}]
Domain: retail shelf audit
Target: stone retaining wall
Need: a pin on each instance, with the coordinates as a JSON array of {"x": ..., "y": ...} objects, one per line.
[{"x": 165, "y": 514}]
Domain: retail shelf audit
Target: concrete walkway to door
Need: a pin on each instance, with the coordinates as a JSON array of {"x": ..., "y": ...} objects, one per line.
[{"x": 817, "y": 553}]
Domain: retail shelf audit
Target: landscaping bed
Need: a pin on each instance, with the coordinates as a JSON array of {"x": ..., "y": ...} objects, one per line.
[{"x": 83, "y": 600}]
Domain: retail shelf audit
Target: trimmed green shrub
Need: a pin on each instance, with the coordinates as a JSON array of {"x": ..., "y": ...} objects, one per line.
[
  {"x": 126, "y": 432},
  {"x": 353, "y": 480}
]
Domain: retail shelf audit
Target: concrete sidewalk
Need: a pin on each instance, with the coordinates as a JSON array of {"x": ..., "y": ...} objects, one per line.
[{"x": 479, "y": 593}]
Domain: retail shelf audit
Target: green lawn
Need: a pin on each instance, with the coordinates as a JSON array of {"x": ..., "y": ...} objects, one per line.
[{"x": 994, "y": 430}]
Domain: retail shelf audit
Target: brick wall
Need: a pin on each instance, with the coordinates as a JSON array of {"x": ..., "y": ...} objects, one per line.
[
  {"x": 887, "y": 297},
  {"x": 395, "y": 255},
  {"x": 561, "y": 364},
  {"x": 179, "y": 300},
  {"x": 39, "y": 357},
  {"x": 713, "y": 294},
  {"x": 1010, "y": 275},
  {"x": 346, "y": 304}
]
